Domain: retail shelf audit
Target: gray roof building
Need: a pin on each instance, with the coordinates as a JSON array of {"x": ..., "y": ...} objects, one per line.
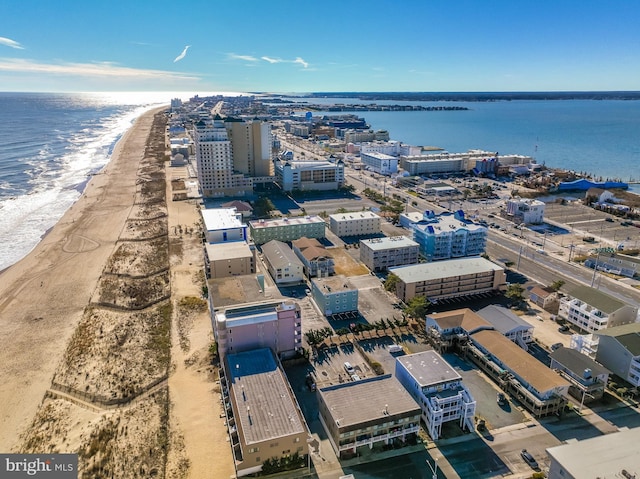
[
  {"x": 610, "y": 455},
  {"x": 266, "y": 416},
  {"x": 596, "y": 298}
]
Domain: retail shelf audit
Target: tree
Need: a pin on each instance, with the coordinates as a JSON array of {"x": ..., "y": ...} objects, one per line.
[
  {"x": 556, "y": 285},
  {"x": 417, "y": 307},
  {"x": 515, "y": 292},
  {"x": 391, "y": 282}
]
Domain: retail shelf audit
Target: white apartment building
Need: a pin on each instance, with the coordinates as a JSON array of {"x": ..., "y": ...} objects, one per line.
[
  {"x": 378, "y": 254},
  {"x": 438, "y": 389},
  {"x": 309, "y": 175},
  {"x": 523, "y": 210},
  {"x": 359, "y": 223},
  {"x": 223, "y": 225},
  {"x": 592, "y": 310},
  {"x": 380, "y": 163}
]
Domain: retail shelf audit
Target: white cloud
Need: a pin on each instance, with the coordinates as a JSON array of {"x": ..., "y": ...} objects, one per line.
[
  {"x": 182, "y": 55},
  {"x": 10, "y": 43},
  {"x": 98, "y": 69},
  {"x": 247, "y": 58},
  {"x": 271, "y": 60},
  {"x": 301, "y": 62}
]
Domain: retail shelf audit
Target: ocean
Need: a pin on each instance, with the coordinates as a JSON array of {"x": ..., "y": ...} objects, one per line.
[
  {"x": 51, "y": 143},
  {"x": 49, "y": 146}
]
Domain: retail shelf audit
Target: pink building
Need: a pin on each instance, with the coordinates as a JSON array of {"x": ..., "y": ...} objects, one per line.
[{"x": 274, "y": 325}]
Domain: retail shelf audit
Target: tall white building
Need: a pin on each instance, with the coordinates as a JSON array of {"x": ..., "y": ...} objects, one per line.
[{"x": 231, "y": 156}]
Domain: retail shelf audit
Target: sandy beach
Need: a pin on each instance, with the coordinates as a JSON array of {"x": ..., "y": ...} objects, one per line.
[{"x": 42, "y": 297}]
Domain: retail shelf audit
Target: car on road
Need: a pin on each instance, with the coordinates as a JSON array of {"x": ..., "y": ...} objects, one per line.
[
  {"x": 564, "y": 328},
  {"x": 529, "y": 459}
]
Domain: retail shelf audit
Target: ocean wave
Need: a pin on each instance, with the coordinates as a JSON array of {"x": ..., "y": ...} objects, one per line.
[{"x": 42, "y": 174}]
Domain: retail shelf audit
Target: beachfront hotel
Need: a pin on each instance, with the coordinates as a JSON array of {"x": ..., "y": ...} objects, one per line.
[{"x": 232, "y": 156}]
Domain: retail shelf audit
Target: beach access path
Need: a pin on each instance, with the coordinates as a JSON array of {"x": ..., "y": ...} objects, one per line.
[{"x": 43, "y": 296}]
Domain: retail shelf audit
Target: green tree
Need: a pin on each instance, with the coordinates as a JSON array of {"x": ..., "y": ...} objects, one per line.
[
  {"x": 390, "y": 282},
  {"x": 417, "y": 307},
  {"x": 515, "y": 292},
  {"x": 556, "y": 285}
]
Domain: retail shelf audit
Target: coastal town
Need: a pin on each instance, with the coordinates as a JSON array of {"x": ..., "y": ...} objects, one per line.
[{"x": 286, "y": 294}]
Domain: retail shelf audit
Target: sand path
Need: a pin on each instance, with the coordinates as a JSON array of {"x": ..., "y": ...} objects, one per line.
[{"x": 193, "y": 388}]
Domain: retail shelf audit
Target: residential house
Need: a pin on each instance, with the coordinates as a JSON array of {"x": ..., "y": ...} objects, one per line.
[
  {"x": 592, "y": 310},
  {"x": 619, "y": 351},
  {"x": 588, "y": 378},
  {"x": 316, "y": 259}
]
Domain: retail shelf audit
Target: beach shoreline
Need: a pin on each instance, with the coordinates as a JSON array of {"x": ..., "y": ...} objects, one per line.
[{"x": 45, "y": 293}]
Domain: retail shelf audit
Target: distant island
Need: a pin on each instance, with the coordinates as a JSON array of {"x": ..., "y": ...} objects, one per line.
[{"x": 480, "y": 96}]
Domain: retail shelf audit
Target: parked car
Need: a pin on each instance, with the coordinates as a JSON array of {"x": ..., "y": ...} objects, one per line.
[
  {"x": 529, "y": 459},
  {"x": 311, "y": 383},
  {"x": 501, "y": 399},
  {"x": 349, "y": 369},
  {"x": 564, "y": 328},
  {"x": 556, "y": 346}
]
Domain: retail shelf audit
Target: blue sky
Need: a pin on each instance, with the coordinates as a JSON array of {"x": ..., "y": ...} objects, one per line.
[{"x": 304, "y": 46}]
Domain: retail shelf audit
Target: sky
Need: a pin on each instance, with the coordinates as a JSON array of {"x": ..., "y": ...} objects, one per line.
[{"x": 288, "y": 46}]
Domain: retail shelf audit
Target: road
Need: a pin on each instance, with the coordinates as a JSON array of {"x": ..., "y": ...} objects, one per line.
[{"x": 545, "y": 268}]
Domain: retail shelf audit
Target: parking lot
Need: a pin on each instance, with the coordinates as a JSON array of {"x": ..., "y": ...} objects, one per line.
[{"x": 585, "y": 221}]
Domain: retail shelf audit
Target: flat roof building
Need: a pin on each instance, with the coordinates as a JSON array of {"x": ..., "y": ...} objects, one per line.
[
  {"x": 223, "y": 225},
  {"x": 379, "y": 254},
  {"x": 309, "y": 175},
  {"x": 266, "y": 421},
  {"x": 370, "y": 414},
  {"x": 287, "y": 229},
  {"x": 273, "y": 324},
  {"x": 442, "y": 280},
  {"x": 610, "y": 455},
  {"x": 438, "y": 388},
  {"x": 229, "y": 259},
  {"x": 334, "y": 295},
  {"x": 448, "y": 235},
  {"x": 357, "y": 223}
]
